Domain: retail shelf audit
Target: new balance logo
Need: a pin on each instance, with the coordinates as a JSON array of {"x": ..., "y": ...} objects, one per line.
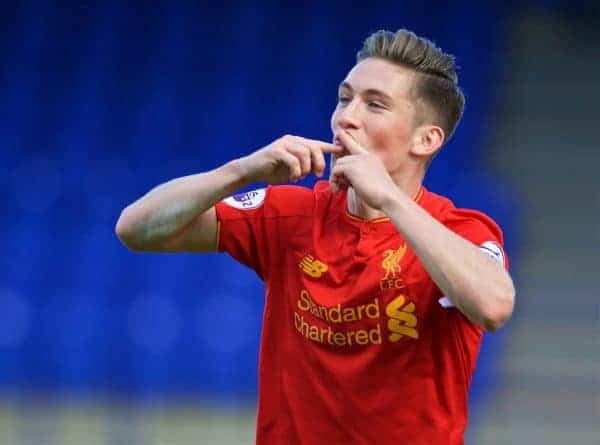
[{"x": 312, "y": 267}]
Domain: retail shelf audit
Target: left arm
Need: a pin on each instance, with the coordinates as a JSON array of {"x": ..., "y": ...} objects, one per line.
[{"x": 477, "y": 285}]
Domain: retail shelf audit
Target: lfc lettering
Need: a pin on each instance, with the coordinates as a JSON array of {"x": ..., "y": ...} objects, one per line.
[{"x": 392, "y": 268}]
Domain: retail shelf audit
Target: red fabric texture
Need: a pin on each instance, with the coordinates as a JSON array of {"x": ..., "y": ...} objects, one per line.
[{"x": 355, "y": 348}]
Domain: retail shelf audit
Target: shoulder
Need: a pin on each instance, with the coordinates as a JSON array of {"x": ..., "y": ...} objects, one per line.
[
  {"x": 300, "y": 198},
  {"x": 272, "y": 201},
  {"x": 460, "y": 220}
]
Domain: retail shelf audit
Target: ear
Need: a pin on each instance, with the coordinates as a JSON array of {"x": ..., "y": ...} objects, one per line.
[{"x": 426, "y": 140}]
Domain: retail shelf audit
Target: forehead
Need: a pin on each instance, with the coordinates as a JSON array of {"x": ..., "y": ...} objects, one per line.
[{"x": 379, "y": 74}]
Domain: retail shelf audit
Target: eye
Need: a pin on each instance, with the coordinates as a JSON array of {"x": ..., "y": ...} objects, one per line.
[
  {"x": 343, "y": 99},
  {"x": 376, "y": 105}
]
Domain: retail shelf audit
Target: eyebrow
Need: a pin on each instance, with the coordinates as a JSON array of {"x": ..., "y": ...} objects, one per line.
[{"x": 368, "y": 92}]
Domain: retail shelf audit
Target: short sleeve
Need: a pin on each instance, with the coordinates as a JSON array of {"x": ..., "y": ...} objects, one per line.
[
  {"x": 481, "y": 230},
  {"x": 250, "y": 224}
]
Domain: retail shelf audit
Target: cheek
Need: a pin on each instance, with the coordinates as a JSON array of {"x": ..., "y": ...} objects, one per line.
[
  {"x": 390, "y": 142},
  {"x": 385, "y": 136},
  {"x": 333, "y": 119}
]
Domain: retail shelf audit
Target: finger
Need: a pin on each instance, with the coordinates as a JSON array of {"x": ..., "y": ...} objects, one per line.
[
  {"x": 338, "y": 169},
  {"x": 316, "y": 155},
  {"x": 304, "y": 157},
  {"x": 339, "y": 182},
  {"x": 339, "y": 179},
  {"x": 350, "y": 143},
  {"x": 345, "y": 161},
  {"x": 318, "y": 161},
  {"x": 293, "y": 165},
  {"x": 325, "y": 147}
]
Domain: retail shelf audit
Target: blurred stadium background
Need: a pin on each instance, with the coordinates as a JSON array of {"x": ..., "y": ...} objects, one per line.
[{"x": 100, "y": 101}]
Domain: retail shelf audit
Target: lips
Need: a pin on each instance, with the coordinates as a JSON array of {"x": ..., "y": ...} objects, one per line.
[
  {"x": 336, "y": 139},
  {"x": 337, "y": 142}
]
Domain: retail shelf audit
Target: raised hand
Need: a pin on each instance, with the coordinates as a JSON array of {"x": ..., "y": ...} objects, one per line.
[
  {"x": 289, "y": 158},
  {"x": 363, "y": 171}
]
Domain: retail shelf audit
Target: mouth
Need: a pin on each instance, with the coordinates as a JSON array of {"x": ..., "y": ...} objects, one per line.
[
  {"x": 336, "y": 138},
  {"x": 343, "y": 153}
]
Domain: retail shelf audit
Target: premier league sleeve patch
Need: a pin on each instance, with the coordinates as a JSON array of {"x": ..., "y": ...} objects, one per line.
[
  {"x": 494, "y": 251},
  {"x": 248, "y": 200}
]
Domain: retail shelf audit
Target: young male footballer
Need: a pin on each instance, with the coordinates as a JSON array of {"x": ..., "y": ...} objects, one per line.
[{"x": 377, "y": 290}]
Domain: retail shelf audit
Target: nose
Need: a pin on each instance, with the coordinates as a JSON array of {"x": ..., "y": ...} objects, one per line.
[{"x": 346, "y": 117}]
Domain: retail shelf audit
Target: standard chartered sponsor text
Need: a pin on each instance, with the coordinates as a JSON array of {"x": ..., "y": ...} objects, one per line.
[{"x": 337, "y": 315}]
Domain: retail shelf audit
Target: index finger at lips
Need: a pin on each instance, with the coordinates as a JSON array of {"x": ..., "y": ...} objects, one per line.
[
  {"x": 325, "y": 147},
  {"x": 350, "y": 143}
]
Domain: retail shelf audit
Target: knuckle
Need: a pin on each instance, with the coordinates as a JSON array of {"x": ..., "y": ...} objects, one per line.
[{"x": 277, "y": 151}]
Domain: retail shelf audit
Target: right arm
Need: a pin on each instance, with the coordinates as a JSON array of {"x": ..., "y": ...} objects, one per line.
[{"x": 179, "y": 215}]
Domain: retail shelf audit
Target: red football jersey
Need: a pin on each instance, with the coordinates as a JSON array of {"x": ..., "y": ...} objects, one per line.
[{"x": 359, "y": 346}]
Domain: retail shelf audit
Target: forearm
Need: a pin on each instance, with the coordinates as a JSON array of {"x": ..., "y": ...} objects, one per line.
[
  {"x": 168, "y": 208},
  {"x": 474, "y": 283}
]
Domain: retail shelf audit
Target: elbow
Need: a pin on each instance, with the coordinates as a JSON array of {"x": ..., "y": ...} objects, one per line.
[
  {"x": 121, "y": 229},
  {"x": 125, "y": 232},
  {"x": 500, "y": 311},
  {"x": 495, "y": 322}
]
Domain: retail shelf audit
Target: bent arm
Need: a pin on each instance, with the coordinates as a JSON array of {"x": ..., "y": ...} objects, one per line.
[
  {"x": 179, "y": 215},
  {"x": 477, "y": 285}
]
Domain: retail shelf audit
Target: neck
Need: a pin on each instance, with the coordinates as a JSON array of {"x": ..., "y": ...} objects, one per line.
[{"x": 357, "y": 207}]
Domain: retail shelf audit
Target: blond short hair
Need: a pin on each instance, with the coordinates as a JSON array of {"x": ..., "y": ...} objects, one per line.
[{"x": 437, "y": 82}]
